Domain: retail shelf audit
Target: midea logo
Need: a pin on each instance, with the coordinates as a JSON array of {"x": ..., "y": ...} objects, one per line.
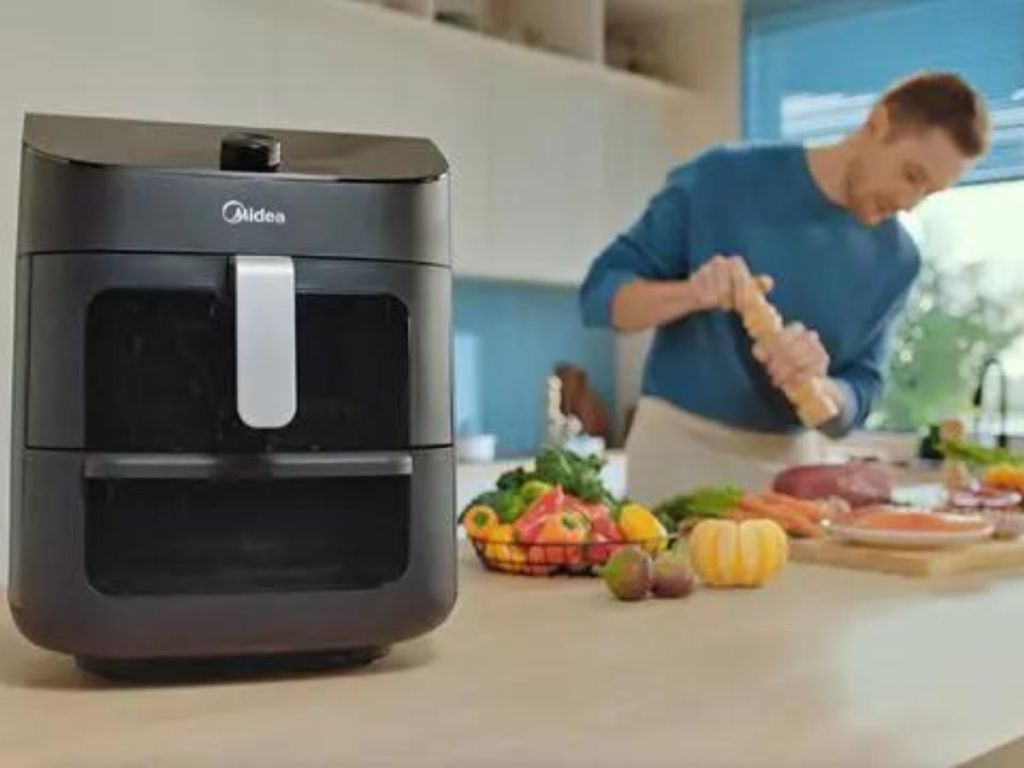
[{"x": 235, "y": 212}]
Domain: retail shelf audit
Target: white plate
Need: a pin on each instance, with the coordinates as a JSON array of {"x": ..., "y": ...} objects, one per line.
[
  {"x": 908, "y": 539},
  {"x": 924, "y": 496}
]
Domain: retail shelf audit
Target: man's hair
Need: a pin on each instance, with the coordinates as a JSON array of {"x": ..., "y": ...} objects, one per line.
[{"x": 940, "y": 100}]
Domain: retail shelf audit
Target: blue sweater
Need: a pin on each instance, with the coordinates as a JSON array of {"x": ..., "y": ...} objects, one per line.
[{"x": 833, "y": 274}]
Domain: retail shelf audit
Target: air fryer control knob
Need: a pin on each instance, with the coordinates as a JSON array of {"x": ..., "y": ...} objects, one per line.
[{"x": 255, "y": 152}]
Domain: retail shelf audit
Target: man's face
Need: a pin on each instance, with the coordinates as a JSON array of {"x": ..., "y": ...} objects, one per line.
[{"x": 899, "y": 167}]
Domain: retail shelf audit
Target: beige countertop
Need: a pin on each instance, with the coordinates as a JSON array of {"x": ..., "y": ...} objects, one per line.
[{"x": 821, "y": 668}]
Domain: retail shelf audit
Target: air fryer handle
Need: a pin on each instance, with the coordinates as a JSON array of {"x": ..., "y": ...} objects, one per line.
[
  {"x": 265, "y": 340},
  {"x": 203, "y": 467}
]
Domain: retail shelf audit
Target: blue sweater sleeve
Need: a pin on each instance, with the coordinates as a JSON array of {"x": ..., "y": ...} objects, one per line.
[
  {"x": 653, "y": 248},
  {"x": 863, "y": 378}
]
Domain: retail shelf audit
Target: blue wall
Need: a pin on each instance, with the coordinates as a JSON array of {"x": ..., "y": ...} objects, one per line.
[{"x": 508, "y": 339}]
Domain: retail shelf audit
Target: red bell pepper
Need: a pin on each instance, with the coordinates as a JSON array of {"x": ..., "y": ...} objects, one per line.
[
  {"x": 604, "y": 532},
  {"x": 598, "y": 515},
  {"x": 598, "y": 549},
  {"x": 568, "y": 528},
  {"x": 528, "y": 525},
  {"x": 537, "y": 559},
  {"x": 607, "y": 527}
]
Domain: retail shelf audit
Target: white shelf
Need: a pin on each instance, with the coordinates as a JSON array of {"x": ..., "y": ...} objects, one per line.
[
  {"x": 423, "y": 9},
  {"x": 573, "y": 30},
  {"x": 652, "y": 9}
]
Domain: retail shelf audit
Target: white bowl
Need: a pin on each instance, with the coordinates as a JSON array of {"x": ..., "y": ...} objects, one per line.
[
  {"x": 586, "y": 445},
  {"x": 477, "y": 449}
]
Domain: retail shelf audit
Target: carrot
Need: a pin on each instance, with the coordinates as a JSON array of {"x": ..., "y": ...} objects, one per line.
[
  {"x": 794, "y": 526},
  {"x": 790, "y": 519},
  {"x": 809, "y": 509}
]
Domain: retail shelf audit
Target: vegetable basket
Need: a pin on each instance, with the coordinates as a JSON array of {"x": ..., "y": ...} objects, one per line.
[{"x": 549, "y": 559}]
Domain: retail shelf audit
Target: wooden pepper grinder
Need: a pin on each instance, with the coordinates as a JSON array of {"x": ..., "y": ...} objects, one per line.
[
  {"x": 763, "y": 322},
  {"x": 955, "y": 474}
]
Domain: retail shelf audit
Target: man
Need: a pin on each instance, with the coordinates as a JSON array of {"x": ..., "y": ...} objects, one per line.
[{"x": 820, "y": 222}]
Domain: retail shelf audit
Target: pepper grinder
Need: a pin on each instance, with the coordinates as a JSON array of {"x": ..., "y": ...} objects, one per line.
[{"x": 762, "y": 322}]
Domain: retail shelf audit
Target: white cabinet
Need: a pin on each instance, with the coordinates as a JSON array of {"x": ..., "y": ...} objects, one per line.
[
  {"x": 572, "y": 157},
  {"x": 552, "y": 154},
  {"x": 524, "y": 130},
  {"x": 545, "y": 149}
]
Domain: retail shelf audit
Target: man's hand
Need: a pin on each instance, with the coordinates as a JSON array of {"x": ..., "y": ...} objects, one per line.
[
  {"x": 792, "y": 356},
  {"x": 723, "y": 282},
  {"x": 719, "y": 283}
]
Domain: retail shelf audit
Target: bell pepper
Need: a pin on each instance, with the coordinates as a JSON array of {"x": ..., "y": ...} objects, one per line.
[
  {"x": 639, "y": 524},
  {"x": 532, "y": 490},
  {"x": 502, "y": 551},
  {"x": 601, "y": 523},
  {"x": 599, "y": 548},
  {"x": 605, "y": 535},
  {"x": 479, "y": 520},
  {"x": 569, "y": 528},
  {"x": 506, "y": 504},
  {"x": 529, "y": 524},
  {"x": 537, "y": 560}
]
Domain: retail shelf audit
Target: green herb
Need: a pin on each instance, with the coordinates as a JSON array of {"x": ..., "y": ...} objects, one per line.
[
  {"x": 515, "y": 479},
  {"x": 974, "y": 453},
  {"x": 701, "y": 503},
  {"x": 579, "y": 476}
]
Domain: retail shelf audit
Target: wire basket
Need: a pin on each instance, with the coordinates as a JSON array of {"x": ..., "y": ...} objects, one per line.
[{"x": 549, "y": 558}]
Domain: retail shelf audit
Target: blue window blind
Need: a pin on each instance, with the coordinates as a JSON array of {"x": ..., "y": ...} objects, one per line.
[{"x": 812, "y": 68}]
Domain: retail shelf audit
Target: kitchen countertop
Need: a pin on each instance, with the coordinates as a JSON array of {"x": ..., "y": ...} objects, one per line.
[{"x": 821, "y": 668}]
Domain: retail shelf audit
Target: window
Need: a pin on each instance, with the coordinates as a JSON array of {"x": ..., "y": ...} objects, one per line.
[{"x": 812, "y": 69}]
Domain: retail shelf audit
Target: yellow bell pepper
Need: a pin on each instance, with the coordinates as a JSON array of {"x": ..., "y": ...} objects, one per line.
[
  {"x": 502, "y": 549},
  {"x": 479, "y": 521},
  {"x": 1006, "y": 476},
  {"x": 638, "y": 524}
]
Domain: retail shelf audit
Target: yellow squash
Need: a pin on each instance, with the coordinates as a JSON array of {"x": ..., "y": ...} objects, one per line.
[{"x": 726, "y": 553}]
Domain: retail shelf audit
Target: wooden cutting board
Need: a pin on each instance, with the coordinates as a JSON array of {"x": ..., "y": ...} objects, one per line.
[{"x": 987, "y": 556}]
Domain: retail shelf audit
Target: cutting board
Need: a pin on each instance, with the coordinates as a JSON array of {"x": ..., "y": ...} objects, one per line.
[{"x": 987, "y": 556}]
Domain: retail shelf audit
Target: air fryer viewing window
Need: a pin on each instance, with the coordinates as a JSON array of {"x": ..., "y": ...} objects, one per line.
[
  {"x": 160, "y": 374},
  {"x": 147, "y": 537}
]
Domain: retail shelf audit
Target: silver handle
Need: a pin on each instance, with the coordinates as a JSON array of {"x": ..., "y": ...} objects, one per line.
[
  {"x": 192, "y": 466},
  {"x": 265, "y": 340}
]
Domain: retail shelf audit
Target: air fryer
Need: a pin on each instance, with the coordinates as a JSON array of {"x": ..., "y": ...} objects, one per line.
[{"x": 233, "y": 420}]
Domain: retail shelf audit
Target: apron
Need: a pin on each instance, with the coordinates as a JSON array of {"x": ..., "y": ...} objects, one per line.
[{"x": 670, "y": 451}]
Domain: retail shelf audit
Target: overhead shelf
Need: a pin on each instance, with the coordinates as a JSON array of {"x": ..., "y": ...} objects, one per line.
[{"x": 624, "y": 42}]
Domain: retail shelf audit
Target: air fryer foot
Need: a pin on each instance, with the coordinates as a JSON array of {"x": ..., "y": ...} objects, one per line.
[{"x": 171, "y": 670}]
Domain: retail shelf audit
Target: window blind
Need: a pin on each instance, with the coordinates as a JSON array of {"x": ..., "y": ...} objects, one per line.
[{"x": 812, "y": 68}]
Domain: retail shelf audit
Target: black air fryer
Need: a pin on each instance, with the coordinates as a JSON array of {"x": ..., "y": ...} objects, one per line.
[{"x": 232, "y": 426}]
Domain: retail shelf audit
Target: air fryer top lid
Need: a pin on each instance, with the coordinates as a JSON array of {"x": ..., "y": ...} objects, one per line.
[
  {"x": 188, "y": 148},
  {"x": 102, "y": 185}
]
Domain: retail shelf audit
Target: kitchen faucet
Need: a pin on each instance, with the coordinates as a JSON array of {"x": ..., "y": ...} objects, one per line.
[{"x": 1002, "y": 439}]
